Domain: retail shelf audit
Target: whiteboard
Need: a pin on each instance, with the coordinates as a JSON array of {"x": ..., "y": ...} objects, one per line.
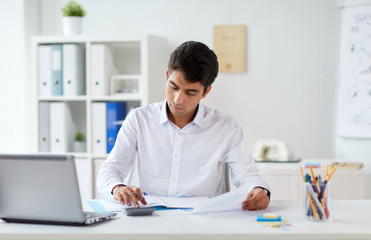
[{"x": 354, "y": 109}]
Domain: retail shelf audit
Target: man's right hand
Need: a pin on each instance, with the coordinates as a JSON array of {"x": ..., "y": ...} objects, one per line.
[{"x": 128, "y": 195}]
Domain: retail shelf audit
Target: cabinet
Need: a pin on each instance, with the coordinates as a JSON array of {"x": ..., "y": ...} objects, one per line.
[
  {"x": 286, "y": 181},
  {"x": 74, "y": 79}
]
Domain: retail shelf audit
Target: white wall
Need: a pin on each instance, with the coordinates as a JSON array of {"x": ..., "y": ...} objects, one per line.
[
  {"x": 288, "y": 90},
  {"x": 18, "y": 21},
  {"x": 13, "y": 130}
]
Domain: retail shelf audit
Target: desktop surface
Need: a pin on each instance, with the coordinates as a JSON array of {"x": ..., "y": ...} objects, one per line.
[{"x": 351, "y": 220}]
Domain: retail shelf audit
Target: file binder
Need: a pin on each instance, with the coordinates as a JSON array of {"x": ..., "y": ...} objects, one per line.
[
  {"x": 73, "y": 70},
  {"x": 102, "y": 67},
  {"x": 116, "y": 111},
  {"x": 61, "y": 128},
  {"x": 44, "y": 70},
  {"x": 44, "y": 136},
  {"x": 99, "y": 130},
  {"x": 56, "y": 67}
]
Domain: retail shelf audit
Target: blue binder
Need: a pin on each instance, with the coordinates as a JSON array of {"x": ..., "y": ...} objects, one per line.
[
  {"x": 57, "y": 69},
  {"x": 116, "y": 111}
]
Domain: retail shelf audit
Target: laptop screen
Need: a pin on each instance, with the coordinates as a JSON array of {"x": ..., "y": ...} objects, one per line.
[{"x": 39, "y": 187}]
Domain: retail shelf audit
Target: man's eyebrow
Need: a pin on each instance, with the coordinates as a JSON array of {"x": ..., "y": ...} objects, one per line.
[{"x": 188, "y": 90}]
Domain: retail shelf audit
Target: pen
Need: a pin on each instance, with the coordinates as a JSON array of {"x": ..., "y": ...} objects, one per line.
[
  {"x": 321, "y": 211},
  {"x": 312, "y": 206}
]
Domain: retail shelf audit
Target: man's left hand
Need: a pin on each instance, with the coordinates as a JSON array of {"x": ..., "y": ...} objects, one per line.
[{"x": 257, "y": 199}]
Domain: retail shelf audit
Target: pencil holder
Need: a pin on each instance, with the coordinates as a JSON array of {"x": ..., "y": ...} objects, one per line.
[{"x": 317, "y": 201}]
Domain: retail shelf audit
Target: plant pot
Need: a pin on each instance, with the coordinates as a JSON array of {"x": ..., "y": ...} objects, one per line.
[
  {"x": 72, "y": 25},
  {"x": 79, "y": 146}
]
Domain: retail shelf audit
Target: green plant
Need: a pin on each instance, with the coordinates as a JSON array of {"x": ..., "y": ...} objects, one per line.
[
  {"x": 79, "y": 137},
  {"x": 72, "y": 8}
]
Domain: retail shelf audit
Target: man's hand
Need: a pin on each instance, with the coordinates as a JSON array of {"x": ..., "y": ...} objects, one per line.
[
  {"x": 128, "y": 195},
  {"x": 257, "y": 199}
]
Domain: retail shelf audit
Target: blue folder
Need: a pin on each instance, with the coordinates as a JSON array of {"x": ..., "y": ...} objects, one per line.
[
  {"x": 116, "y": 111},
  {"x": 57, "y": 69}
]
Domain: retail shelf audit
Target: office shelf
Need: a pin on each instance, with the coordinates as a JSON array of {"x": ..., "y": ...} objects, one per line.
[{"x": 139, "y": 59}]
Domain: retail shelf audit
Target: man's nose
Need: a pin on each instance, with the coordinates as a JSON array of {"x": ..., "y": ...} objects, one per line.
[{"x": 178, "y": 97}]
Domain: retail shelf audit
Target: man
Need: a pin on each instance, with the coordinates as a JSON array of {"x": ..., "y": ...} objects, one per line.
[{"x": 181, "y": 145}]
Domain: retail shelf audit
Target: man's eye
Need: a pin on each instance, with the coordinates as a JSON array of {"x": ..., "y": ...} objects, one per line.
[{"x": 191, "y": 94}]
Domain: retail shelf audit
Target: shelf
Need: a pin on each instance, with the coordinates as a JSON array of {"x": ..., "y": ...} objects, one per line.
[
  {"x": 52, "y": 39},
  {"x": 97, "y": 69},
  {"x": 61, "y": 98},
  {"x": 121, "y": 97}
]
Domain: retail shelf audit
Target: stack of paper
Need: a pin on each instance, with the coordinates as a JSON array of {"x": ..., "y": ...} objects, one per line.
[{"x": 231, "y": 201}]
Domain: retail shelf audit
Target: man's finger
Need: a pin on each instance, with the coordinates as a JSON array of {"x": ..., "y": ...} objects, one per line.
[
  {"x": 133, "y": 196},
  {"x": 127, "y": 198}
]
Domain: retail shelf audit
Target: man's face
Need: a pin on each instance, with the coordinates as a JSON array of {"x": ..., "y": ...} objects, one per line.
[{"x": 182, "y": 96}]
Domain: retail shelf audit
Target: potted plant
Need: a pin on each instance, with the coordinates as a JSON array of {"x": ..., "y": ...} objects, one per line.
[
  {"x": 79, "y": 145},
  {"x": 72, "y": 18}
]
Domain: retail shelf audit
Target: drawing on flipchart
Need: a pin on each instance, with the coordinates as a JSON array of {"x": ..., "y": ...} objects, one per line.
[{"x": 354, "y": 115}]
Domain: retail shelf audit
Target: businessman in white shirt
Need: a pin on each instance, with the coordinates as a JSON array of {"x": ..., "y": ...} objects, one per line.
[{"x": 181, "y": 144}]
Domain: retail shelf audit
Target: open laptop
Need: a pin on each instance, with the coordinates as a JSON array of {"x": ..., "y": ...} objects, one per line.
[{"x": 42, "y": 189}]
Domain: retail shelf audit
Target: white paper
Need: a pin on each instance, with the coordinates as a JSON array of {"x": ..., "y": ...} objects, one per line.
[
  {"x": 354, "y": 109},
  {"x": 230, "y": 201},
  {"x": 183, "y": 202},
  {"x": 152, "y": 201}
]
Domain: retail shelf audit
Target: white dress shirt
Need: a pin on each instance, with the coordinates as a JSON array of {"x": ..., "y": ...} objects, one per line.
[{"x": 176, "y": 162}]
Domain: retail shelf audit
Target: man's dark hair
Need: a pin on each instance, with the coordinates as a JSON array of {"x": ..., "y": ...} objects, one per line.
[{"x": 196, "y": 61}]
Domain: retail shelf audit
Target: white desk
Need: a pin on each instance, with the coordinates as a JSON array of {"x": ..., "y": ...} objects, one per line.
[{"x": 351, "y": 221}]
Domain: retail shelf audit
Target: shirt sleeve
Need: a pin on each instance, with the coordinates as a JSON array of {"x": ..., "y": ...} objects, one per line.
[
  {"x": 121, "y": 159},
  {"x": 243, "y": 169}
]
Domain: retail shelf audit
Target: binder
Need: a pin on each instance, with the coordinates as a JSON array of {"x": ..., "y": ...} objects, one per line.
[
  {"x": 99, "y": 131},
  {"x": 73, "y": 70},
  {"x": 102, "y": 67},
  {"x": 44, "y": 136},
  {"x": 61, "y": 128},
  {"x": 44, "y": 70},
  {"x": 56, "y": 67},
  {"x": 116, "y": 111}
]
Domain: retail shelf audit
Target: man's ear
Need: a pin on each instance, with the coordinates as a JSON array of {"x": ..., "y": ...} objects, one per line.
[
  {"x": 167, "y": 74},
  {"x": 206, "y": 92}
]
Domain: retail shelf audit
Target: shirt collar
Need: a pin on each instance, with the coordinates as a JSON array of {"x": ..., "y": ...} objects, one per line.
[
  {"x": 163, "y": 113},
  {"x": 198, "y": 120}
]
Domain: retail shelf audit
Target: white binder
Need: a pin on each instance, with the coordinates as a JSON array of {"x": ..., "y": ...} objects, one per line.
[
  {"x": 44, "y": 136},
  {"x": 61, "y": 128},
  {"x": 102, "y": 67},
  {"x": 44, "y": 70},
  {"x": 73, "y": 70},
  {"x": 99, "y": 128}
]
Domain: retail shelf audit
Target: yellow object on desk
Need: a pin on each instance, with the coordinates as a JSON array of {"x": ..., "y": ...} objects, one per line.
[{"x": 347, "y": 165}]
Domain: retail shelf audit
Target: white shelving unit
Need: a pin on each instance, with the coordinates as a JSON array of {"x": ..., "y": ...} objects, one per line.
[{"x": 141, "y": 60}]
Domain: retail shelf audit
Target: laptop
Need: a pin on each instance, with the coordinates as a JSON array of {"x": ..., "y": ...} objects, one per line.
[{"x": 42, "y": 189}]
